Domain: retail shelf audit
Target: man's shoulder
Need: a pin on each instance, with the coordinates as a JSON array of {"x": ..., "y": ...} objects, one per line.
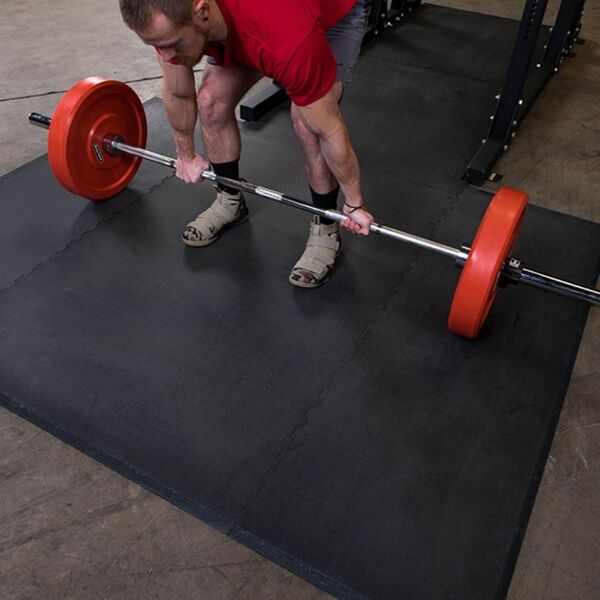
[{"x": 288, "y": 15}]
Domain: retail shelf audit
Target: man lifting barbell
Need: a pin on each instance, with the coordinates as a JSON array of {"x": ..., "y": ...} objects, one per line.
[{"x": 310, "y": 48}]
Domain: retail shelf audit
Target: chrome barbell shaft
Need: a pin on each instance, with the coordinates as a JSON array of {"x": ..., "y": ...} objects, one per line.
[
  {"x": 276, "y": 196},
  {"x": 518, "y": 275},
  {"x": 115, "y": 145}
]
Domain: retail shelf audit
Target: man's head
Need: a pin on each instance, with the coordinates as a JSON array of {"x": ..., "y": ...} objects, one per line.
[{"x": 178, "y": 29}]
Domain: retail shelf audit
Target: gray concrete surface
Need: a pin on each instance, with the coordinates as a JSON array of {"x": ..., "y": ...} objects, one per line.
[{"x": 70, "y": 528}]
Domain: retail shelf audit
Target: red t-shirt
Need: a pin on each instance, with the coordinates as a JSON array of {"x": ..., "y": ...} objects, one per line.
[{"x": 283, "y": 39}]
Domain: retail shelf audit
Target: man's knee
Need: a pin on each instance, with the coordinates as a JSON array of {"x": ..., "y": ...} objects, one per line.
[
  {"x": 305, "y": 136},
  {"x": 295, "y": 115},
  {"x": 212, "y": 108}
]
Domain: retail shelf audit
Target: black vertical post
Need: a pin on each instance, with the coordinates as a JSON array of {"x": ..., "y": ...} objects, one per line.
[
  {"x": 565, "y": 31},
  {"x": 377, "y": 19},
  {"x": 518, "y": 70},
  {"x": 521, "y": 91},
  {"x": 512, "y": 94}
]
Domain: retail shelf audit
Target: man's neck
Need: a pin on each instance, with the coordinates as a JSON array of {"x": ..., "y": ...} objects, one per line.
[{"x": 217, "y": 30}]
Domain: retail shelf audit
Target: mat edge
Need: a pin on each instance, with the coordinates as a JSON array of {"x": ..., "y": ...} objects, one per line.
[{"x": 210, "y": 518}]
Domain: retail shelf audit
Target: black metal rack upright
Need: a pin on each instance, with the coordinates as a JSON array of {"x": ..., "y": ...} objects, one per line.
[{"x": 524, "y": 81}]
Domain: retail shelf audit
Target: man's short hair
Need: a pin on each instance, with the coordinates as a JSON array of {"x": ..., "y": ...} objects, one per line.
[{"x": 137, "y": 14}]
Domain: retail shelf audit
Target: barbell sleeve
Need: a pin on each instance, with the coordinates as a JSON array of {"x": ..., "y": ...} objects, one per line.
[
  {"x": 514, "y": 271},
  {"x": 550, "y": 283}
]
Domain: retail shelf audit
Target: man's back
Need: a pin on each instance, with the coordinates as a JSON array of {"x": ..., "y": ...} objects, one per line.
[{"x": 282, "y": 39}]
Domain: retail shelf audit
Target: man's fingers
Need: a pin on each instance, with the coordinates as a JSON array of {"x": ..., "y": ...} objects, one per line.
[
  {"x": 358, "y": 228},
  {"x": 190, "y": 171},
  {"x": 349, "y": 225}
]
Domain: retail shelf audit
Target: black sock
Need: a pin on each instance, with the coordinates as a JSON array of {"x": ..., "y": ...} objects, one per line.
[
  {"x": 327, "y": 201},
  {"x": 231, "y": 170}
]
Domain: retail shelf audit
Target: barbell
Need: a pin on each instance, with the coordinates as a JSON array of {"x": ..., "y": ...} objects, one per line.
[{"x": 96, "y": 141}]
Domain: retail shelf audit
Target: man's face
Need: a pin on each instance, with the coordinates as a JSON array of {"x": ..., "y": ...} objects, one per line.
[{"x": 176, "y": 44}]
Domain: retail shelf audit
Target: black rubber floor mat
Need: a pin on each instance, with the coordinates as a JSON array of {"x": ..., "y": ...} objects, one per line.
[{"x": 342, "y": 432}]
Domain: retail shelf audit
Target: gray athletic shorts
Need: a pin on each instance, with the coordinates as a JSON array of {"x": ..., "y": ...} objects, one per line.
[{"x": 345, "y": 39}]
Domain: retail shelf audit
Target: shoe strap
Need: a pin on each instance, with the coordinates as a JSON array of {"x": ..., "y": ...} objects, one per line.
[
  {"x": 314, "y": 264},
  {"x": 324, "y": 241},
  {"x": 207, "y": 223},
  {"x": 320, "y": 254},
  {"x": 218, "y": 214},
  {"x": 226, "y": 209}
]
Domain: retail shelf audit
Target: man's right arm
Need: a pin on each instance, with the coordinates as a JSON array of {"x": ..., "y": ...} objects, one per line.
[{"x": 179, "y": 98}]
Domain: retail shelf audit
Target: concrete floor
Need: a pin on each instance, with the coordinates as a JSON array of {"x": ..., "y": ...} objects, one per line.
[{"x": 70, "y": 528}]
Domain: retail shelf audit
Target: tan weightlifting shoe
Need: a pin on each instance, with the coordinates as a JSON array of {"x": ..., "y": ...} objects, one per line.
[
  {"x": 323, "y": 247},
  {"x": 227, "y": 210}
]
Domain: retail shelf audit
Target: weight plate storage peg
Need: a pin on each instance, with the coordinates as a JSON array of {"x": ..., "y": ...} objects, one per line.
[
  {"x": 92, "y": 110},
  {"x": 493, "y": 243}
]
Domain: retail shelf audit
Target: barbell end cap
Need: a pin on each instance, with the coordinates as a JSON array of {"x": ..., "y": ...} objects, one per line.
[{"x": 39, "y": 120}]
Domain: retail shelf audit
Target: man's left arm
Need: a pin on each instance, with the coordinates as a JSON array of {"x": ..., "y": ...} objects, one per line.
[{"x": 324, "y": 119}]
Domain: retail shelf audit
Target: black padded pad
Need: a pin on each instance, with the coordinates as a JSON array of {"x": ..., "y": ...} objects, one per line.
[{"x": 343, "y": 432}]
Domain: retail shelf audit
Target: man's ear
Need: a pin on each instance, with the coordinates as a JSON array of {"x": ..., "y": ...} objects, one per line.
[{"x": 200, "y": 11}]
